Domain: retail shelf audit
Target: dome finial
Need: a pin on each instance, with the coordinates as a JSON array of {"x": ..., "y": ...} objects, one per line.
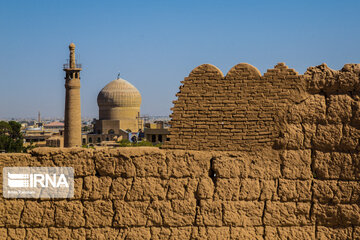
[
  {"x": 72, "y": 46},
  {"x": 118, "y": 76}
]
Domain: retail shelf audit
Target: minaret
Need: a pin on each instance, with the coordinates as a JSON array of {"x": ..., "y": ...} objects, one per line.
[{"x": 72, "y": 133}]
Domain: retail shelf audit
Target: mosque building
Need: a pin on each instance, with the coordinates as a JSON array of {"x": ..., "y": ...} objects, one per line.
[{"x": 119, "y": 113}]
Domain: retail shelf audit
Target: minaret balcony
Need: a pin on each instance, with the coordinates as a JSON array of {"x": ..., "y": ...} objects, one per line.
[{"x": 67, "y": 66}]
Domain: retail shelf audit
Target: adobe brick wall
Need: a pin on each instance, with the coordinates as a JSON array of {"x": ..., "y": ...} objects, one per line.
[
  {"x": 245, "y": 110},
  {"x": 149, "y": 193}
]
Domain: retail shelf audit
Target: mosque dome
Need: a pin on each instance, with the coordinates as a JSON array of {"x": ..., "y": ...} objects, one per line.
[{"x": 119, "y": 93}]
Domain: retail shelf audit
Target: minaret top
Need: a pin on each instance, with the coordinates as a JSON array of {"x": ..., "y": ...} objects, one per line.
[
  {"x": 72, "y": 55},
  {"x": 71, "y": 64}
]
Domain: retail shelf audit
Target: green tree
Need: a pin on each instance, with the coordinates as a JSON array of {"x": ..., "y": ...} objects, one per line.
[{"x": 11, "y": 139}]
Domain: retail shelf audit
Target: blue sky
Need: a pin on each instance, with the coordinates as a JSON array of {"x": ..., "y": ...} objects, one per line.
[{"x": 155, "y": 44}]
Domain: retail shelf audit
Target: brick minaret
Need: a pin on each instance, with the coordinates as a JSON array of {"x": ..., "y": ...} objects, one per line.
[{"x": 72, "y": 134}]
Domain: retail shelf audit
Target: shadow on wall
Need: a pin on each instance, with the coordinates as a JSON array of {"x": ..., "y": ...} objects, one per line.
[{"x": 244, "y": 110}]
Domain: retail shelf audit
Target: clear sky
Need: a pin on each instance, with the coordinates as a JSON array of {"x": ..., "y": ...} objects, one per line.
[{"x": 155, "y": 44}]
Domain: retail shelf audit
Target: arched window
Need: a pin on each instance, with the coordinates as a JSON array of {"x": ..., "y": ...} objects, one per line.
[
  {"x": 160, "y": 138},
  {"x": 153, "y": 138},
  {"x": 98, "y": 140},
  {"x": 90, "y": 140},
  {"x": 107, "y": 139}
]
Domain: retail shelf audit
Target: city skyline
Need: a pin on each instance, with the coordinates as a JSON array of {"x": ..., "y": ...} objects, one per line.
[{"x": 155, "y": 45}]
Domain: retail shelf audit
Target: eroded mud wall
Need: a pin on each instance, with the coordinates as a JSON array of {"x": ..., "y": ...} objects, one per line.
[
  {"x": 245, "y": 109},
  {"x": 147, "y": 193}
]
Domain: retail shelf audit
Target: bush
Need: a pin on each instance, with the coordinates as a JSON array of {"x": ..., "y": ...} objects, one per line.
[
  {"x": 127, "y": 143},
  {"x": 124, "y": 143},
  {"x": 143, "y": 143}
]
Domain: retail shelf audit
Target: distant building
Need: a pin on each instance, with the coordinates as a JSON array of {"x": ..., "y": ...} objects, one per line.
[
  {"x": 54, "y": 126},
  {"x": 24, "y": 125},
  {"x": 94, "y": 138},
  {"x": 119, "y": 107},
  {"x": 55, "y": 140},
  {"x": 38, "y": 136},
  {"x": 119, "y": 114},
  {"x": 156, "y": 132}
]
